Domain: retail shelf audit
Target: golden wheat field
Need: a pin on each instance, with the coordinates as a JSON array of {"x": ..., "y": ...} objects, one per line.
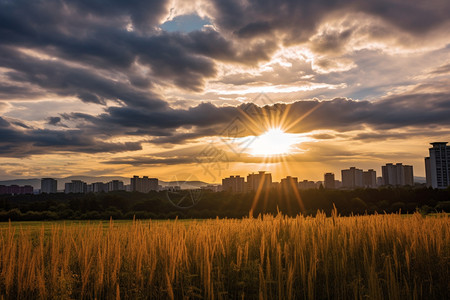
[{"x": 361, "y": 257}]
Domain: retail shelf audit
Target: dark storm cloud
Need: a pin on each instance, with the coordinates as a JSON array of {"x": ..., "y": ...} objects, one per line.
[
  {"x": 143, "y": 14},
  {"x": 150, "y": 160},
  {"x": 423, "y": 109},
  {"x": 166, "y": 54},
  {"x": 254, "y": 29},
  {"x": 55, "y": 121},
  {"x": 298, "y": 19},
  {"x": 56, "y": 77},
  {"x": 205, "y": 114},
  {"x": 400, "y": 115},
  {"x": 340, "y": 114},
  {"x": 112, "y": 51},
  {"x": 94, "y": 34},
  {"x": 145, "y": 120},
  {"x": 12, "y": 92},
  {"x": 331, "y": 42},
  {"x": 22, "y": 143},
  {"x": 181, "y": 138},
  {"x": 71, "y": 31},
  {"x": 170, "y": 126},
  {"x": 393, "y": 134},
  {"x": 21, "y": 124}
]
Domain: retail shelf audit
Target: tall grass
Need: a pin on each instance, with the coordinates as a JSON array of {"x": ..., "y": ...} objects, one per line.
[{"x": 364, "y": 257}]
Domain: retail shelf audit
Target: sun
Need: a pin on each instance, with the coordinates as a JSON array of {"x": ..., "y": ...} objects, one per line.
[{"x": 273, "y": 142}]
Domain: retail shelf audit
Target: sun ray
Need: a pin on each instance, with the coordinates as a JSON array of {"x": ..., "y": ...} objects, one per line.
[
  {"x": 274, "y": 144},
  {"x": 284, "y": 117},
  {"x": 304, "y": 116}
]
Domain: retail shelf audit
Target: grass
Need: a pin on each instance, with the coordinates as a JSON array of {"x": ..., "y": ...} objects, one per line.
[{"x": 361, "y": 257}]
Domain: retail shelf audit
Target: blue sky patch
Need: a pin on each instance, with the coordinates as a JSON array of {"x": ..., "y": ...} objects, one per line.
[{"x": 185, "y": 23}]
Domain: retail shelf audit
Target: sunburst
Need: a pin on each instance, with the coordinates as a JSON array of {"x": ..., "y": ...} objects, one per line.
[{"x": 275, "y": 143}]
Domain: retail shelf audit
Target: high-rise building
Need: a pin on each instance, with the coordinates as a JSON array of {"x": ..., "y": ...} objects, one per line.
[
  {"x": 428, "y": 172},
  {"x": 352, "y": 178},
  {"x": 409, "y": 175},
  {"x": 306, "y": 185},
  {"x": 115, "y": 185},
  {"x": 98, "y": 187},
  {"x": 379, "y": 181},
  {"x": 234, "y": 184},
  {"x": 76, "y": 186},
  {"x": 49, "y": 185},
  {"x": 329, "y": 181},
  {"x": 289, "y": 183},
  {"x": 370, "y": 178},
  {"x": 437, "y": 166},
  {"x": 16, "y": 190},
  {"x": 397, "y": 175},
  {"x": 260, "y": 181},
  {"x": 144, "y": 184}
]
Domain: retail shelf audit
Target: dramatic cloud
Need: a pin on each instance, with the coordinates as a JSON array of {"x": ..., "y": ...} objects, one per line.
[
  {"x": 55, "y": 121},
  {"x": 139, "y": 77},
  {"x": 56, "y": 77},
  {"x": 176, "y": 126},
  {"x": 298, "y": 19},
  {"x": 416, "y": 109},
  {"x": 21, "y": 143}
]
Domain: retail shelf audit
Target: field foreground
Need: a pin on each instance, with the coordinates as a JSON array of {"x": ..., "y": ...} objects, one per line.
[{"x": 374, "y": 257}]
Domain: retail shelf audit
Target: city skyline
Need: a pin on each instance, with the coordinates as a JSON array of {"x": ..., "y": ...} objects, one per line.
[
  {"x": 207, "y": 89},
  {"x": 279, "y": 176},
  {"x": 233, "y": 174},
  {"x": 249, "y": 172},
  {"x": 392, "y": 175}
]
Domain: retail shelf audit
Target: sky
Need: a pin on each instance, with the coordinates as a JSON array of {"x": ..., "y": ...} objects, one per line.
[{"x": 189, "y": 89}]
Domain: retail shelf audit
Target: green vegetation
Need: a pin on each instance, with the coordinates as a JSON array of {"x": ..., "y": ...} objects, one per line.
[{"x": 156, "y": 205}]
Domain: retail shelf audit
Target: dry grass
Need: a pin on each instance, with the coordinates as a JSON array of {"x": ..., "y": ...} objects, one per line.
[{"x": 365, "y": 257}]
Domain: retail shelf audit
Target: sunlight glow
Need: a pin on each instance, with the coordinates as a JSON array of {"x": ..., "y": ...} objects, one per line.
[{"x": 273, "y": 142}]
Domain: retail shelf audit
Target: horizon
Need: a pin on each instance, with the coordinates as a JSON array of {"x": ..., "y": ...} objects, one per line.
[
  {"x": 275, "y": 180},
  {"x": 208, "y": 89}
]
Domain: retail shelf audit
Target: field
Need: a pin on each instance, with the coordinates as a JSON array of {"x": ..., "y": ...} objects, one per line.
[{"x": 361, "y": 257}]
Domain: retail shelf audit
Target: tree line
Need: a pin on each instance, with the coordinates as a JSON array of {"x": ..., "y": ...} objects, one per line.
[{"x": 207, "y": 204}]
